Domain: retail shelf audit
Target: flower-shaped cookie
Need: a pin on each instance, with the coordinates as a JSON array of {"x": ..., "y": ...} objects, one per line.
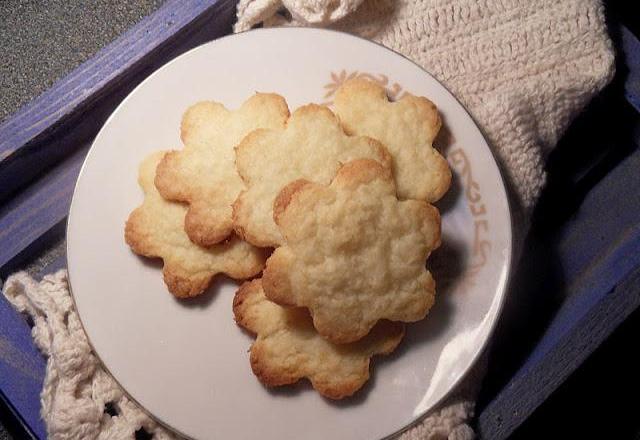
[
  {"x": 353, "y": 254},
  {"x": 406, "y": 127},
  {"x": 288, "y": 348},
  {"x": 312, "y": 147},
  {"x": 203, "y": 173},
  {"x": 155, "y": 229}
]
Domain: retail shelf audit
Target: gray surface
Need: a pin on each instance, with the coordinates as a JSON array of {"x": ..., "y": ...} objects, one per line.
[
  {"x": 36, "y": 267},
  {"x": 41, "y": 41}
]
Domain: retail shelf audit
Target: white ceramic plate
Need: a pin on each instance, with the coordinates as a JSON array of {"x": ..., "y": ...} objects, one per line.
[{"x": 187, "y": 362}]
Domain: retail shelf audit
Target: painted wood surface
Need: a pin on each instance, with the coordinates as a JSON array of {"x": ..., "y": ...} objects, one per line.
[
  {"x": 603, "y": 289},
  {"x": 22, "y": 370},
  {"x": 27, "y": 217},
  {"x": 630, "y": 47}
]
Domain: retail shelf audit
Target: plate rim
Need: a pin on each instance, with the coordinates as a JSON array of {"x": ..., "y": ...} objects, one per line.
[{"x": 501, "y": 291}]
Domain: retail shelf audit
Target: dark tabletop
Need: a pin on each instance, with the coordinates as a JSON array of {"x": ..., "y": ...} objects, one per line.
[{"x": 42, "y": 41}]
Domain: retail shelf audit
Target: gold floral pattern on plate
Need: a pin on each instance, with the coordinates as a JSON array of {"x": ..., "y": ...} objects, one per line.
[
  {"x": 394, "y": 90},
  {"x": 481, "y": 245}
]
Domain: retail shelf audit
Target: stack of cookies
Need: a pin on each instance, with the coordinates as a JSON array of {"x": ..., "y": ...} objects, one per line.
[{"x": 334, "y": 209}]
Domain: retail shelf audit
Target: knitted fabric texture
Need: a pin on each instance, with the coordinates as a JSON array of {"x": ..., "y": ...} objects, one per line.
[
  {"x": 523, "y": 68},
  {"x": 79, "y": 396}
]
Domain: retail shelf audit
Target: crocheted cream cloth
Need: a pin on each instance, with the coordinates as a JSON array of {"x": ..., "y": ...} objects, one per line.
[{"x": 523, "y": 68}]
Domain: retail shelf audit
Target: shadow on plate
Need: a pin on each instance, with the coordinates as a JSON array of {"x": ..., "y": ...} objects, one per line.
[
  {"x": 448, "y": 202},
  {"x": 444, "y": 139},
  {"x": 304, "y": 386},
  {"x": 154, "y": 263},
  {"x": 447, "y": 265},
  {"x": 208, "y": 297}
]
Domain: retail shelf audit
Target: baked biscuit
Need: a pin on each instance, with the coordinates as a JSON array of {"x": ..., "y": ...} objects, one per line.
[
  {"x": 406, "y": 127},
  {"x": 288, "y": 348},
  {"x": 353, "y": 254},
  {"x": 203, "y": 173},
  {"x": 312, "y": 147},
  {"x": 155, "y": 229}
]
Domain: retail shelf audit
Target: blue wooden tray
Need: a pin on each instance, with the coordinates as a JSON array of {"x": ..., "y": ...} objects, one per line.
[{"x": 596, "y": 247}]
